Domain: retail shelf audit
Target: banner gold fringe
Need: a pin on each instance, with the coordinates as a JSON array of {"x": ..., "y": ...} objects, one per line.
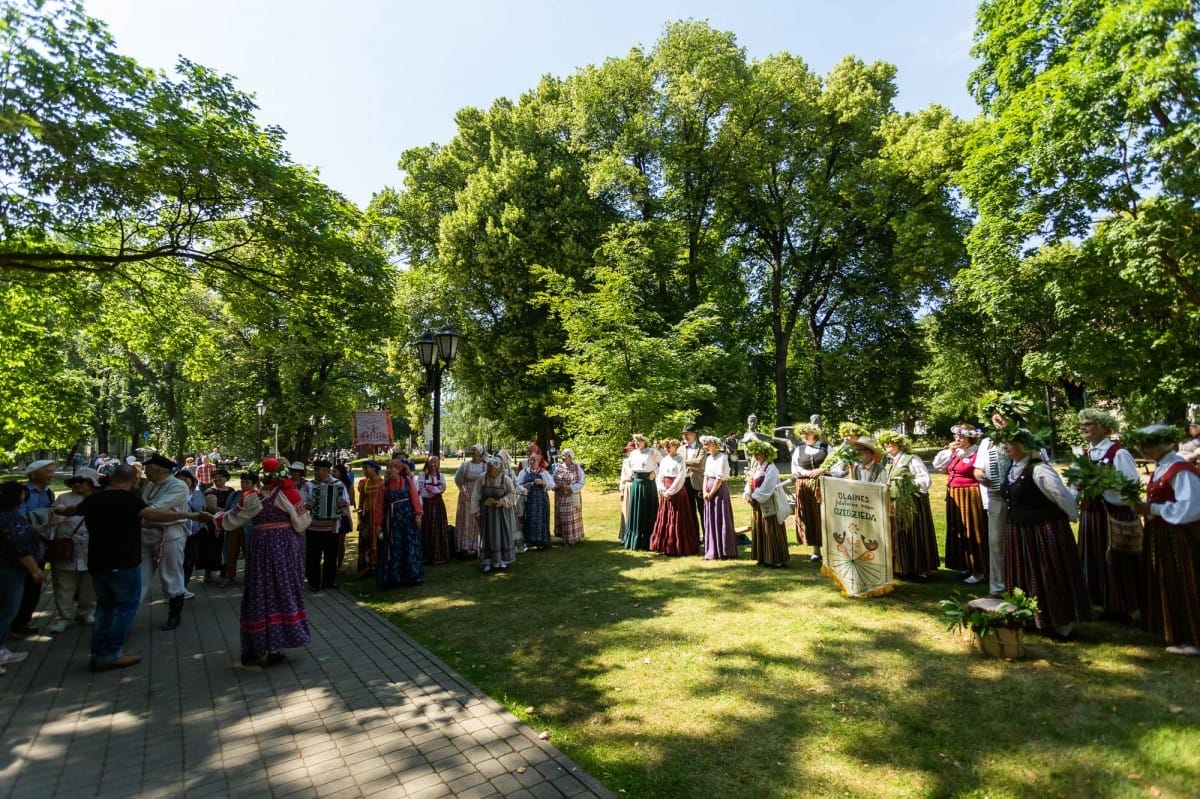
[{"x": 884, "y": 589}]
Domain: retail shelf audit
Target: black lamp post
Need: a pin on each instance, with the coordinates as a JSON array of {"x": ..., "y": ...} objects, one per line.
[
  {"x": 261, "y": 407},
  {"x": 437, "y": 352},
  {"x": 317, "y": 425}
]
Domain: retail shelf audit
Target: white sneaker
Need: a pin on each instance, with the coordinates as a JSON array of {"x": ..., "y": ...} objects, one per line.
[
  {"x": 1186, "y": 649},
  {"x": 59, "y": 626},
  {"x": 7, "y": 657},
  {"x": 187, "y": 594}
]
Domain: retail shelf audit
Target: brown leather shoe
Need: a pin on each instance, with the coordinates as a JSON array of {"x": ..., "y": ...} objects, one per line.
[{"x": 125, "y": 661}]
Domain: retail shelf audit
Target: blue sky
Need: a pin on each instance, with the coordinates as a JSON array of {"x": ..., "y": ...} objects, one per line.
[{"x": 355, "y": 83}]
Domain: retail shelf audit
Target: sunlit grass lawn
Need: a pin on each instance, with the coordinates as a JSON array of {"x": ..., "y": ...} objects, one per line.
[{"x": 676, "y": 677}]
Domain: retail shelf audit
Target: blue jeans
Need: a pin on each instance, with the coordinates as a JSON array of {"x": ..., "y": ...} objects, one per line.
[
  {"x": 118, "y": 595},
  {"x": 12, "y": 588}
]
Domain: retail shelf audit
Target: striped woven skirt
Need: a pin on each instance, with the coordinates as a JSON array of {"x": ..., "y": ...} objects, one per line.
[
  {"x": 966, "y": 530},
  {"x": 1171, "y": 563},
  {"x": 808, "y": 514},
  {"x": 1114, "y": 579},
  {"x": 1043, "y": 561},
  {"x": 914, "y": 546}
]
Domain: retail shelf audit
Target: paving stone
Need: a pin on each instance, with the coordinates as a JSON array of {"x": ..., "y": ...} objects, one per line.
[{"x": 368, "y": 714}]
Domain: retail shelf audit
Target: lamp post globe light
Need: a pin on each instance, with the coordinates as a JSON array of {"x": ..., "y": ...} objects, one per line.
[
  {"x": 261, "y": 407},
  {"x": 437, "y": 352}
]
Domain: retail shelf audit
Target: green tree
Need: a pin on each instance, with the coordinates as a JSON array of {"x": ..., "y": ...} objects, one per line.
[
  {"x": 1091, "y": 126},
  {"x": 845, "y": 220},
  {"x": 112, "y": 168}
]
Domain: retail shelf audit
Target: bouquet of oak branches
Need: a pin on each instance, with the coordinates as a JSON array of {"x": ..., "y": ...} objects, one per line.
[{"x": 1091, "y": 481}]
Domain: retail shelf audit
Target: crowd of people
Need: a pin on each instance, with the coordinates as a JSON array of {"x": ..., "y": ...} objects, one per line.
[
  {"x": 107, "y": 538},
  {"x": 1008, "y": 524},
  {"x": 1008, "y": 512}
]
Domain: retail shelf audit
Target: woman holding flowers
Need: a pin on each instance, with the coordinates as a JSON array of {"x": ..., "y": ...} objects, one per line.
[
  {"x": 1113, "y": 578},
  {"x": 768, "y": 537},
  {"x": 914, "y": 544},
  {"x": 1040, "y": 556}
]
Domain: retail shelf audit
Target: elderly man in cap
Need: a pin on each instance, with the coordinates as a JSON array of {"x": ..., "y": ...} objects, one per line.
[
  {"x": 39, "y": 497},
  {"x": 325, "y": 496},
  {"x": 165, "y": 492}
]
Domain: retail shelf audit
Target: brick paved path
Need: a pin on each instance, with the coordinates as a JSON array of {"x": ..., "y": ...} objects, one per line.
[{"x": 363, "y": 711}]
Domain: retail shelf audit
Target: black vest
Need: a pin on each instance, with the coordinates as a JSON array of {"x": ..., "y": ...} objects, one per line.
[{"x": 1026, "y": 502}]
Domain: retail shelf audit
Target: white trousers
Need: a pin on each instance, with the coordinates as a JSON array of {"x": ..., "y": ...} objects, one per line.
[
  {"x": 170, "y": 568},
  {"x": 997, "y": 521},
  {"x": 66, "y": 583}
]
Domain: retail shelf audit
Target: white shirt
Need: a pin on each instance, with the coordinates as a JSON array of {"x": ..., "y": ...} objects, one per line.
[
  {"x": 717, "y": 466},
  {"x": 770, "y": 480},
  {"x": 1186, "y": 507},
  {"x": 671, "y": 467},
  {"x": 644, "y": 460}
]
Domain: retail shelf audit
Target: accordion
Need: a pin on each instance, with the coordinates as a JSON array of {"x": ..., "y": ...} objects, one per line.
[{"x": 325, "y": 501}]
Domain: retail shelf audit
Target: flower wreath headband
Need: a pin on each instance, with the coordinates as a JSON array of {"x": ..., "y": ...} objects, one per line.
[
  {"x": 966, "y": 432},
  {"x": 760, "y": 448}
]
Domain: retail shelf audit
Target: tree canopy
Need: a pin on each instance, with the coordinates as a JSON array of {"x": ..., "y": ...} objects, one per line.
[
  {"x": 1085, "y": 178},
  {"x": 165, "y": 263}
]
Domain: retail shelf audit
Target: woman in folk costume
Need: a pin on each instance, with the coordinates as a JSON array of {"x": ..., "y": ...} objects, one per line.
[
  {"x": 370, "y": 518},
  {"x": 273, "y": 613},
  {"x": 568, "y": 504},
  {"x": 643, "y": 495},
  {"x": 720, "y": 538},
  {"x": 401, "y": 559},
  {"x": 625, "y": 481},
  {"x": 536, "y": 482},
  {"x": 1113, "y": 578},
  {"x": 1171, "y": 551},
  {"x": 514, "y": 503},
  {"x": 491, "y": 507},
  {"x": 966, "y": 515},
  {"x": 807, "y": 458},
  {"x": 914, "y": 543},
  {"x": 431, "y": 485},
  {"x": 675, "y": 530},
  {"x": 768, "y": 536},
  {"x": 1040, "y": 556},
  {"x": 466, "y": 531}
]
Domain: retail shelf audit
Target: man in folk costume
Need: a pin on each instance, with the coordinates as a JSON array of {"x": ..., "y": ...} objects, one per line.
[
  {"x": 325, "y": 496},
  {"x": 693, "y": 459},
  {"x": 991, "y": 465},
  {"x": 870, "y": 468},
  {"x": 165, "y": 492}
]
